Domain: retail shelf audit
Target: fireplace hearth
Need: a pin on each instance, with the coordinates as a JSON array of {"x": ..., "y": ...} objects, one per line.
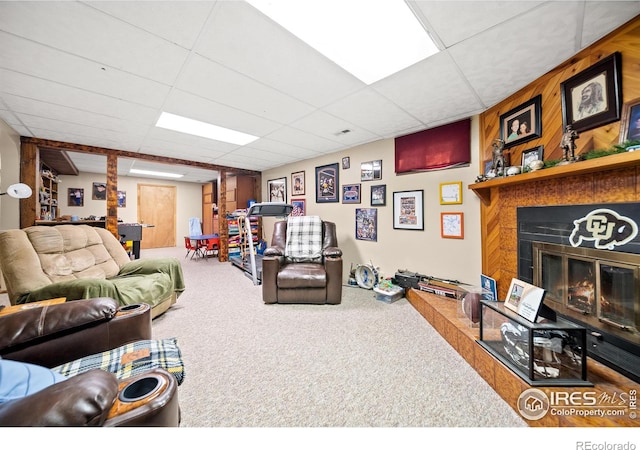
[{"x": 587, "y": 258}]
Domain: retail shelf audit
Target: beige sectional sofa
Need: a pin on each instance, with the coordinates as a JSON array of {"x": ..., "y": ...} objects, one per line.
[{"x": 80, "y": 261}]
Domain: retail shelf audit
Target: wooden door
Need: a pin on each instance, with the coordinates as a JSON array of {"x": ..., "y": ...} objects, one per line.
[{"x": 157, "y": 207}]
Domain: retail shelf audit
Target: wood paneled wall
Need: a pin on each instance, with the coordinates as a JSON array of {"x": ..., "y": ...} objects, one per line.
[{"x": 498, "y": 217}]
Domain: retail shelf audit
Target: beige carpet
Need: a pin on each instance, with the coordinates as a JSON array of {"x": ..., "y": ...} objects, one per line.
[{"x": 363, "y": 363}]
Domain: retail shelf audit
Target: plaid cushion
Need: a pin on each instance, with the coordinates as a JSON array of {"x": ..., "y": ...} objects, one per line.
[
  {"x": 131, "y": 359},
  {"x": 304, "y": 239}
]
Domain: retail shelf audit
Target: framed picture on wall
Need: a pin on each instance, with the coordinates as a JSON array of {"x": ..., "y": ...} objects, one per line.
[
  {"x": 630, "y": 121},
  {"x": 76, "y": 197},
  {"x": 327, "y": 183},
  {"x": 122, "y": 199},
  {"x": 298, "y": 207},
  {"x": 351, "y": 193},
  {"x": 297, "y": 183},
  {"x": 408, "y": 210},
  {"x": 277, "y": 190},
  {"x": 379, "y": 195},
  {"x": 367, "y": 224},
  {"x": 371, "y": 170},
  {"x": 522, "y": 123},
  {"x": 593, "y": 97},
  {"x": 452, "y": 225},
  {"x": 99, "y": 191},
  {"x": 528, "y": 156},
  {"x": 451, "y": 193}
]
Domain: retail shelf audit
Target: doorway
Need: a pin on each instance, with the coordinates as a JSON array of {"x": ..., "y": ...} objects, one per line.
[{"x": 157, "y": 207}]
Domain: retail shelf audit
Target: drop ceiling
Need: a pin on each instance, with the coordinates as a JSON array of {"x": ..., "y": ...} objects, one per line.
[{"x": 100, "y": 74}]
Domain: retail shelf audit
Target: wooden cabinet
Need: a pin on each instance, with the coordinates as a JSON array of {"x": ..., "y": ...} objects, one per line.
[
  {"x": 240, "y": 189},
  {"x": 210, "y": 208},
  {"x": 48, "y": 194}
]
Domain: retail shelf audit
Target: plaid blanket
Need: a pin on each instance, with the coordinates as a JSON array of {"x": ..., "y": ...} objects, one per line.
[
  {"x": 304, "y": 239},
  {"x": 131, "y": 359}
]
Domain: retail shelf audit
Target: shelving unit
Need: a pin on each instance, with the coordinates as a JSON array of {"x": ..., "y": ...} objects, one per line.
[{"x": 48, "y": 193}]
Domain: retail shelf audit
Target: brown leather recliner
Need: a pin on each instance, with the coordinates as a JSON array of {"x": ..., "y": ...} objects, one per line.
[
  {"x": 302, "y": 282},
  {"x": 53, "y": 335}
]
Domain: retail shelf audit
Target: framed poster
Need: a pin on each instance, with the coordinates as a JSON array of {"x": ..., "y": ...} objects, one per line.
[
  {"x": 451, "y": 193},
  {"x": 489, "y": 288},
  {"x": 327, "y": 182},
  {"x": 452, "y": 225},
  {"x": 99, "y": 191},
  {"x": 277, "y": 190},
  {"x": 593, "y": 97},
  {"x": 122, "y": 199},
  {"x": 297, "y": 183},
  {"x": 371, "y": 170},
  {"x": 367, "y": 224},
  {"x": 522, "y": 124},
  {"x": 379, "y": 195},
  {"x": 630, "y": 122},
  {"x": 351, "y": 193},
  {"x": 76, "y": 197},
  {"x": 346, "y": 162},
  {"x": 525, "y": 299},
  {"x": 298, "y": 207},
  {"x": 408, "y": 210}
]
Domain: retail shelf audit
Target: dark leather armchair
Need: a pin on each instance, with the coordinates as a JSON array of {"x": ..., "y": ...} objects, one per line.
[
  {"x": 52, "y": 335},
  {"x": 302, "y": 282}
]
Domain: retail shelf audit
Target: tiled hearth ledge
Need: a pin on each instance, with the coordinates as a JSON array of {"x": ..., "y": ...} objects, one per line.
[{"x": 443, "y": 315}]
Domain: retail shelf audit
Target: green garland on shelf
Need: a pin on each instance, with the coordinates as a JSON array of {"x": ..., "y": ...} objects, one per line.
[{"x": 598, "y": 153}]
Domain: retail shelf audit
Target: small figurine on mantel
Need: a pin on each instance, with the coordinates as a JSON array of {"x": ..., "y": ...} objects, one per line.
[
  {"x": 568, "y": 145},
  {"x": 498, "y": 163}
]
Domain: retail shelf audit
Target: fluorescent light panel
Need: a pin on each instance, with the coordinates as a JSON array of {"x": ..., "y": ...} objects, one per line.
[
  {"x": 370, "y": 39},
  {"x": 203, "y": 129},
  {"x": 156, "y": 174}
]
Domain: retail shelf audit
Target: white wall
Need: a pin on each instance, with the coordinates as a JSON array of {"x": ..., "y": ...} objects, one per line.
[
  {"x": 188, "y": 202},
  {"x": 9, "y": 174},
  {"x": 425, "y": 251}
]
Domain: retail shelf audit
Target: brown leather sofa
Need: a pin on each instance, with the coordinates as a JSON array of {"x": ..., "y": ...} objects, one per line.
[
  {"x": 302, "y": 282},
  {"x": 52, "y": 335}
]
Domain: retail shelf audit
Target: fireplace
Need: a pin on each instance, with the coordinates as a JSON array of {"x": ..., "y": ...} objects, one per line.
[{"x": 587, "y": 258}]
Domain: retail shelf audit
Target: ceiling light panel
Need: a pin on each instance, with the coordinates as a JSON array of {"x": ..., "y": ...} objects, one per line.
[
  {"x": 203, "y": 129},
  {"x": 371, "y": 40}
]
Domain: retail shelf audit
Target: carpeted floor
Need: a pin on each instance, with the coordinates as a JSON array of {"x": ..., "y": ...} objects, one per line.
[{"x": 363, "y": 363}]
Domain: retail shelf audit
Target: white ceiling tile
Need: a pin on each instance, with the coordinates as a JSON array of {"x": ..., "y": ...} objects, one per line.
[
  {"x": 178, "y": 25},
  {"x": 471, "y": 17},
  {"x": 220, "y": 84},
  {"x": 605, "y": 17},
  {"x": 372, "y": 112},
  {"x": 329, "y": 127},
  {"x": 105, "y": 39},
  {"x": 548, "y": 30},
  {"x": 302, "y": 139},
  {"x": 20, "y": 55},
  {"x": 14, "y": 83},
  {"x": 438, "y": 89}
]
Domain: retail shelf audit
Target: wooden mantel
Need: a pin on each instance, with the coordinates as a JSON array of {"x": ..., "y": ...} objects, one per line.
[{"x": 605, "y": 163}]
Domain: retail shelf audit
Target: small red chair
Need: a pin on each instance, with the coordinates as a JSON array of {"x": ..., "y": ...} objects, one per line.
[{"x": 190, "y": 248}]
